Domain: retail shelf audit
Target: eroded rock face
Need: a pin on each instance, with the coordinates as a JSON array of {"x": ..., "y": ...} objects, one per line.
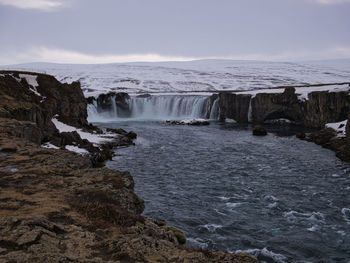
[
  {"x": 234, "y": 106},
  {"x": 43, "y": 99},
  {"x": 109, "y": 101},
  {"x": 18, "y": 101},
  {"x": 267, "y": 106},
  {"x": 321, "y": 107},
  {"x": 347, "y": 129},
  {"x": 325, "y": 107}
]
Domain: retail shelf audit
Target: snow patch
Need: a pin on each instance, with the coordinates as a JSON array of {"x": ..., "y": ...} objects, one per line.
[
  {"x": 93, "y": 138},
  {"x": 189, "y": 122},
  {"x": 49, "y": 145},
  {"x": 76, "y": 150},
  {"x": 255, "y": 92},
  {"x": 303, "y": 93},
  {"x": 228, "y": 120},
  {"x": 339, "y": 127},
  {"x": 32, "y": 81},
  {"x": 192, "y": 121}
]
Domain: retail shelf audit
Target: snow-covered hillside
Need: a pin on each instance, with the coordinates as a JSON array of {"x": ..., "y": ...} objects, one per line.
[{"x": 202, "y": 75}]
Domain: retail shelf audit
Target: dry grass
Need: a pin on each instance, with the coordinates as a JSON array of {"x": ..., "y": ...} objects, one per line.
[{"x": 103, "y": 211}]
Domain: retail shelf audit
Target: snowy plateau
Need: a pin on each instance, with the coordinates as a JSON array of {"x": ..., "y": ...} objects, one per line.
[{"x": 198, "y": 77}]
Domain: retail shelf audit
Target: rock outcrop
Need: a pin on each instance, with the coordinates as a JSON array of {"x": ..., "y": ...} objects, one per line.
[
  {"x": 192, "y": 122},
  {"x": 38, "y": 98},
  {"x": 234, "y": 106},
  {"x": 329, "y": 138},
  {"x": 320, "y": 108},
  {"x": 39, "y": 103},
  {"x": 259, "y": 130},
  {"x": 315, "y": 111}
]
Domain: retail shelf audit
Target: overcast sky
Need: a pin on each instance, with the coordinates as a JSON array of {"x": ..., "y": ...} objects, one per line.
[{"x": 104, "y": 31}]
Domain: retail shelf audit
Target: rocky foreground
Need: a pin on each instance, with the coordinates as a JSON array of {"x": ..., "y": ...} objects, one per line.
[{"x": 55, "y": 206}]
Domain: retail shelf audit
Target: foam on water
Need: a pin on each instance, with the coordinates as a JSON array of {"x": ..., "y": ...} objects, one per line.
[
  {"x": 265, "y": 254},
  {"x": 346, "y": 214},
  {"x": 211, "y": 227}
]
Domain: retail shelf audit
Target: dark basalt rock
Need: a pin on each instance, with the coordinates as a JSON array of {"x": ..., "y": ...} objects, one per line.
[
  {"x": 144, "y": 96},
  {"x": 234, "y": 106},
  {"x": 259, "y": 130},
  {"x": 301, "y": 135},
  {"x": 64, "y": 101},
  {"x": 190, "y": 122},
  {"x": 327, "y": 138},
  {"x": 105, "y": 102},
  {"x": 321, "y": 137},
  {"x": 321, "y": 107},
  {"x": 131, "y": 134},
  {"x": 347, "y": 129}
]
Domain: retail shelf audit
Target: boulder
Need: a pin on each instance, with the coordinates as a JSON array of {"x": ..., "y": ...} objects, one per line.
[
  {"x": 193, "y": 122},
  {"x": 259, "y": 130}
]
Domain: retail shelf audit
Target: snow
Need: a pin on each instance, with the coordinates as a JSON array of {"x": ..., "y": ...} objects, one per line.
[
  {"x": 195, "y": 76},
  {"x": 339, "y": 127},
  {"x": 230, "y": 120},
  {"x": 93, "y": 138},
  {"x": 302, "y": 92},
  {"x": 32, "y": 81},
  {"x": 191, "y": 121},
  {"x": 255, "y": 92},
  {"x": 76, "y": 149},
  {"x": 49, "y": 145}
]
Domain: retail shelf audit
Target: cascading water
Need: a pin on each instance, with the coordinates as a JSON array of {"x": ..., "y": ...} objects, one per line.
[
  {"x": 162, "y": 107},
  {"x": 250, "y": 111},
  {"x": 215, "y": 110},
  {"x": 114, "y": 107}
]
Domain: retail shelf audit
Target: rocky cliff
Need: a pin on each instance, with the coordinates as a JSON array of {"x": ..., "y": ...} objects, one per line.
[
  {"x": 39, "y": 99},
  {"x": 54, "y": 206},
  {"x": 319, "y": 108},
  {"x": 313, "y": 111}
]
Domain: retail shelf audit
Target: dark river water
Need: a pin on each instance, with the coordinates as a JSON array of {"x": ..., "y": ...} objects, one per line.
[{"x": 276, "y": 197}]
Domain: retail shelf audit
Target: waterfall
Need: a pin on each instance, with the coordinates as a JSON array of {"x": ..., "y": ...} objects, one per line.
[
  {"x": 114, "y": 106},
  {"x": 250, "y": 111},
  {"x": 161, "y": 107},
  {"x": 215, "y": 110}
]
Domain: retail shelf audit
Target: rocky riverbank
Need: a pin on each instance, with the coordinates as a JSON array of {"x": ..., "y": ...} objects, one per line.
[
  {"x": 55, "y": 206},
  {"x": 299, "y": 106},
  {"x": 312, "y": 106}
]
